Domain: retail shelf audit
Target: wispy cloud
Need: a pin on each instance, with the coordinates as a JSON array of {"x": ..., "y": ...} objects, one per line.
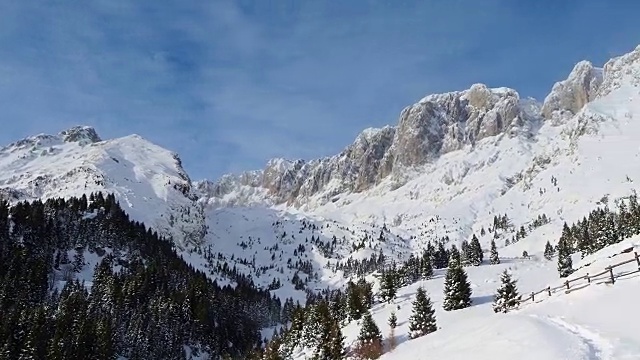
[{"x": 230, "y": 84}]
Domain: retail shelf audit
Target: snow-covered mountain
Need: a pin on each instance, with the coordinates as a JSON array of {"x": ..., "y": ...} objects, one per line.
[
  {"x": 148, "y": 180},
  {"x": 452, "y": 163}
]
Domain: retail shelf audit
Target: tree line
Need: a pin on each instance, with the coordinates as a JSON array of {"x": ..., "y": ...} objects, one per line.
[{"x": 143, "y": 300}]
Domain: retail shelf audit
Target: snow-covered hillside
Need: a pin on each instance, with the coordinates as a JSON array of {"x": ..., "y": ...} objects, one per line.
[
  {"x": 595, "y": 322},
  {"x": 148, "y": 180}
]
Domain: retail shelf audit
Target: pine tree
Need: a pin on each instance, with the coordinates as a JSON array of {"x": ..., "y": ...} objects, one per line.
[
  {"x": 455, "y": 258},
  {"x": 476, "y": 251},
  {"x": 423, "y": 320},
  {"x": 549, "y": 251},
  {"x": 393, "y": 320},
  {"x": 331, "y": 340},
  {"x": 389, "y": 285},
  {"x": 426, "y": 267},
  {"x": 393, "y": 323},
  {"x": 457, "y": 290},
  {"x": 494, "y": 258},
  {"x": 507, "y": 296},
  {"x": 565, "y": 264},
  {"x": 370, "y": 339}
]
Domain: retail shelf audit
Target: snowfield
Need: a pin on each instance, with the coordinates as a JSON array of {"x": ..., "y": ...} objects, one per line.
[{"x": 597, "y": 322}]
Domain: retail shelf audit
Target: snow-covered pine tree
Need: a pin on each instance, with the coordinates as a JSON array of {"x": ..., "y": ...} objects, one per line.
[
  {"x": 466, "y": 253},
  {"x": 507, "y": 296},
  {"x": 389, "y": 285},
  {"x": 393, "y": 320},
  {"x": 549, "y": 251},
  {"x": 457, "y": 290},
  {"x": 393, "y": 323},
  {"x": 423, "y": 319},
  {"x": 369, "y": 344},
  {"x": 494, "y": 258},
  {"x": 477, "y": 255},
  {"x": 454, "y": 257},
  {"x": 426, "y": 267},
  {"x": 565, "y": 264},
  {"x": 331, "y": 344}
]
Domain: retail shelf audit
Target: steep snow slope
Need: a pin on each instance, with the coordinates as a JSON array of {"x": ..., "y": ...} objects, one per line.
[{"x": 148, "y": 180}]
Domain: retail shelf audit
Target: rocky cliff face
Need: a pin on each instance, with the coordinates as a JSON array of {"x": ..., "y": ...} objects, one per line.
[
  {"x": 436, "y": 125},
  {"x": 569, "y": 96}
]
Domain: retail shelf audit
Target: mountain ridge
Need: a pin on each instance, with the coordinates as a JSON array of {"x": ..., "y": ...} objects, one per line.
[{"x": 433, "y": 126}]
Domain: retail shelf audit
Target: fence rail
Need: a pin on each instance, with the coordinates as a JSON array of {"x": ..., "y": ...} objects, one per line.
[{"x": 607, "y": 276}]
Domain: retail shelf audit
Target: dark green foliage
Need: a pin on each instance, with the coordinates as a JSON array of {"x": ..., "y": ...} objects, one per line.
[
  {"x": 423, "y": 319},
  {"x": 330, "y": 341},
  {"x": 390, "y": 282},
  {"x": 455, "y": 259},
  {"x": 359, "y": 298},
  {"x": 549, "y": 251},
  {"x": 475, "y": 251},
  {"x": 145, "y": 301},
  {"x": 457, "y": 290},
  {"x": 507, "y": 296},
  {"x": 393, "y": 320},
  {"x": 565, "y": 264},
  {"x": 494, "y": 257},
  {"x": 369, "y": 331}
]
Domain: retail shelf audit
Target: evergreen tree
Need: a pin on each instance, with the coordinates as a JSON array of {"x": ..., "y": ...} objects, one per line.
[
  {"x": 426, "y": 262},
  {"x": 389, "y": 285},
  {"x": 331, "y": 341},
  {"x": 565, "y": 264},
  {"x": 507, "y": 296},
  {"x": 494, "y": 258},
  {"x": 370, "y": 339},
  {"x": 454, "y": 257},
  {"x": 423, "y": 320},
  {"x": 477, "y": 255},
  {"x": 466, "y": 253},
  {"x": 457, "y": 290},
  {"x": 393, "y": 320},
  {"x": 549, "y": 251},
  {"x": 355, "y": 301}
]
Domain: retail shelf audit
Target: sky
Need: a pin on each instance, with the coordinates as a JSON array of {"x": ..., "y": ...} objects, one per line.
[{"x": 230, "y": 84}]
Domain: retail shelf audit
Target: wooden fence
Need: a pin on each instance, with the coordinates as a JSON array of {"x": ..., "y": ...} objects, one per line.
[{"x": 607, "y": 276}]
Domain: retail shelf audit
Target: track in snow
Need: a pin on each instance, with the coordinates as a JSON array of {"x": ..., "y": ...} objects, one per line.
[{"x": 598, "y": 347}]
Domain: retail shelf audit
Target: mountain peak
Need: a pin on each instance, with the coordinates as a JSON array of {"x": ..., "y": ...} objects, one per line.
[
  {"x": 80, "y": 134},
  {"x": 570, "y": 95}
]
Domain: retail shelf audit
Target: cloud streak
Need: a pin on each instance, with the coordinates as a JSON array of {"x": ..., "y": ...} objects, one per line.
[{"x": 230, "y": 84}]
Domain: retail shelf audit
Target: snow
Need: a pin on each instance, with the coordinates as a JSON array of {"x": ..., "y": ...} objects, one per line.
[
  {"x": 144, "y": 177},
  {"x": 591, "y": 323},
  {"x": 565, "y": 169}
]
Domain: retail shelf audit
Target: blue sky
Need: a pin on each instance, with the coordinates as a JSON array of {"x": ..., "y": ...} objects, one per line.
[{"x": 229, "y": 85}]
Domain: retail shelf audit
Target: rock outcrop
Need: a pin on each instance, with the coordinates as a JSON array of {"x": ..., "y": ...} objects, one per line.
[{"x": 569, "y": 96}]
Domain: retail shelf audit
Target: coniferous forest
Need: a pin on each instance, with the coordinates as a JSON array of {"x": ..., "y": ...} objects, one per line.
[{"x": 144, "y": 301}]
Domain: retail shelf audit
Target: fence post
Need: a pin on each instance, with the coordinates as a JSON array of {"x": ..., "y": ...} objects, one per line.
[
  {"x": 549, "y": 290},
  {"x": 567, "y": 284},
  {"x": 613, "y": 280},
  {"x": 637, "y": 259},
  {"x": 532, "y": 296},
  {"x": 588, "y": 278}
]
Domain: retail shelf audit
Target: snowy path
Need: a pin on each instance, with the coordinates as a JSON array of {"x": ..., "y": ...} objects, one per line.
[{"x": 596, "y": 347}]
